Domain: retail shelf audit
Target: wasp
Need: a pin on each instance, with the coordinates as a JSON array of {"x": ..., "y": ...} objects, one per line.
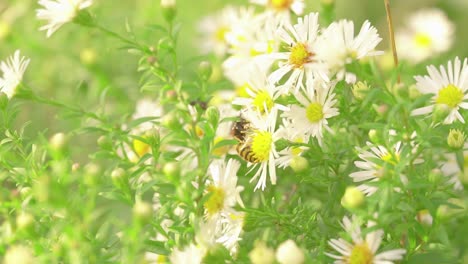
[{"x": 241, "y": 131}]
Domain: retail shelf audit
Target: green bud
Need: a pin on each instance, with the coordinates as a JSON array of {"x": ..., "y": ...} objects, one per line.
[
  {"x": 205, "y": 70},
  {"x": 353, "y": 198},
  {"x": 24, "y": 221},
  {"x": 374, "y": 136},
  {"x": 360, "y": 90},
  {"x": 58, "y": 141},
  {"x": 170, "y": 120},
  {"x": 381, "y": 109},
  {"x": 435, "y": 176},
  {"x": 119, "y": 177},
  {"x": 456, "y": 138},
  {"x": 299, "y": 164},
  {"x": 262, "y": 254},
  {"x": 171, "y": 170},
  {"x": 84, "y": 18},
  {"x": 142, "y": 211},
  {"x": 168, "y": 9},
  {"x": 92, "y": 171},
  {"x": 88, "y": 56},
  {"x": 440, "y": 112}
]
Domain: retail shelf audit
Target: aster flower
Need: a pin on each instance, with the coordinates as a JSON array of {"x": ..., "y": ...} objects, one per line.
[
  {"x": 362, "y": 249},
  {"x": 281, "y": 6},
  {"x": 372, "y": 165},
  {"x": 222, "y": 188},
  {"x": 339, "y": 46},
  {"x": 449, "y": 88},
  {"x": 302, "y": 60},
  {"x": 260, "y": 144},
  {"x": 191, "y": 254},
  {"x": 428, "y": 32},
  {"x": 59, "y": 12},
  {"x": 451, "y": 169},
  {"x": 316, "y": 106},
  {"x": 262, "y": 94},
  {"x": 13, "y": 70}
]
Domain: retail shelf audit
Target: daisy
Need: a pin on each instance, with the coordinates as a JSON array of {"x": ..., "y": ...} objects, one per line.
[
  {"x": 373, "y": 163},
  {"x": 60, "y": 12},
  {"x": 316, "y": 105},
  {"x": 339, "y": 46},
  {"x": 222, "y": 188},
  {"x": 262, "y": 94},
  {"x": 260, "y": 146},
  {"x": 449, "y": 88},
  {"x": 362, "y": 249},
  {"x": 13, "y": 70},
  {"x": 429, "y": 32},
  {"x": 301, "y": 60},
  {"x": 451, "y": 169}
]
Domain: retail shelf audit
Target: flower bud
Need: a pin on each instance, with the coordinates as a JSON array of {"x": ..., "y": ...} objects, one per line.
[
  {"x": 424, "y": 217},
  {"x": 435, "y": 176},
  {"x": 205, "y": 70},
  {"x": 261, "y": 254},
  {"x": 24, "y": 221},
  {"x": 119, "y": 178},
  {"x": 168, "y": 9},
  {"x": 142, "y": 211},
  {"x": 171, "y": 170},
  {"x": 92, "y": 171},
  {"x": 299, "y": 164},
  {"x": 374, "y": 136},
  {"x": 289, "y": 253},
  {"x": 88, "y": 56},
  {"x": 456, "y": 138},
  {"x": 360, "y": 90},
  {"x": 58, "y": 141},
  {"x": 440, "y": 112},
  {"x": 353, "y": 198}
]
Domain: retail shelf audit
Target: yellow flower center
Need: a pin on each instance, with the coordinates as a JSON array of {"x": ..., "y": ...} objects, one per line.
[
  {"x": 220, "y": 34},
  {"x": 263, "y": 100},
  {"x": 296, "y": 151},
  {"x": 361, "y": 254},
  {"x": 280, "y": 4},
  {"x": 450, "y": 95},
  {"x": 215, "y": 202},
  {"x": 161, "y": 259},
  {"x": 140, "y": 147},
  {"x": 261, "y": 145},
  {"x": 241, "y": 91},
  {"x": 423, "y": 40},
  {"x": 314, "y": 112},
  {"x": 300, "y": 55}
]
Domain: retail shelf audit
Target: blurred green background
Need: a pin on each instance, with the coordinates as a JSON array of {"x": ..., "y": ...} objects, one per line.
[{"x": 57, "y": 71}]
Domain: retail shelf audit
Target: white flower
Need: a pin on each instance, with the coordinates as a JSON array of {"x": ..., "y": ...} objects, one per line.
[
  {"x": 316, "y": 106},
  {"x": 451, "y": 169},
  {"x": 222, "y": 188},
  {"x": 13, "y": 70},
  {"x": 282, "y": 6},
  {"x": 373, "y": 163},
  {"x": 59, "y": 12},
  {"x": 289, "y": 253},
  {"x": 338, "y": 45},
  {"x": 224, "y": 29},
  {"x": 287, "y": 155},
  {"x": 362, "y": 250},
  {"x": 429, "y": 32},
  {"x": 449, "y": 88},
  {"x": 261, "y": 144},
  {"x": 302, "y": 60},
  {"x": 191, "y": 254},
  {"x": 146, "y": 108},
  {"x": 262, "y": 94}
]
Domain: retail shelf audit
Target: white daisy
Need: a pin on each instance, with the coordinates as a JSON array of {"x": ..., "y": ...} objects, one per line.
[
  {"x": 260, "y": 143},
  {"x": 262, "y": 94},
  {"x": 449, "y": 88},
  {"x": 362, "y": 249},
  {"x": 222, "y": 188},
  {"x": 450, "y": 168},
  {"x": 13, "y": 70},
  {"x": 59, "y": 12},
  {"x": 231, "y": 230},
  {"x": 429, "y": 32},
  {"x": 373, "y": 163},
  {"x": 301, "y": 60},
  {"x": 317, "y": 103},
  {"x": 339, "y": 46}
]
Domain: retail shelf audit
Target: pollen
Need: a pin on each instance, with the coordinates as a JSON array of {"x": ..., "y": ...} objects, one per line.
[
  {"x": 450, "y": 95},
  {"x": 361, "y": 254},
  {"x": 263, "y": 101},
  {"x": 140, "y": 147},
  {"x": 215, "y": 202},
  {"x": 280, "y": 4},
  {"x": 314, "y": 112},
  {"x": 261, "y": 145},
  {"x": 423, "y": 40},
  {"x": 300, "y": 55}
]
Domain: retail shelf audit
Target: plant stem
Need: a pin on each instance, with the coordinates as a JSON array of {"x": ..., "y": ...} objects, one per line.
[{"x": 392, "y": 35}]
